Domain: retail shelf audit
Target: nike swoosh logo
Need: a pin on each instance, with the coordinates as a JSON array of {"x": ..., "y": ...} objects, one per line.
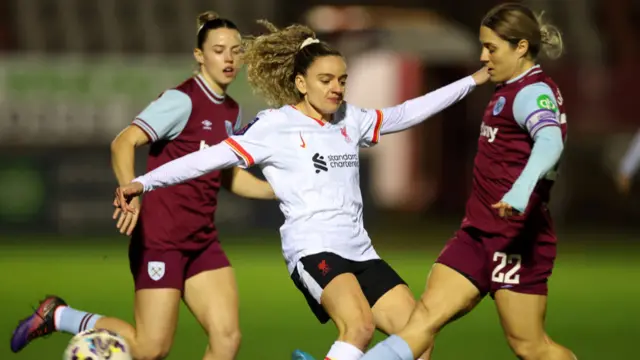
[{"x": 303, "y": 144}]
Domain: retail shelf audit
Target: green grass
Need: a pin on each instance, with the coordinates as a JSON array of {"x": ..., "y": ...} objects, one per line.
[{"x": 593, "y": 307}]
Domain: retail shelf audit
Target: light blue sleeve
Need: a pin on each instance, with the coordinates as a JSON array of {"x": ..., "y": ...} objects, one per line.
[
  {"x": 631, "y": 160},
  {"x": 165, "y": 118},
  {"x": 535, "y": 107},
  {"x": 546, "y": 152}
]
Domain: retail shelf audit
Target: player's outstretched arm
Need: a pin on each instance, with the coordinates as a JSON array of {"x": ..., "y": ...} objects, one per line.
[
  {"x": 415, "y": 111},
  {"x": 242, "y": 183},
  {"x": 189, "y": 167}
]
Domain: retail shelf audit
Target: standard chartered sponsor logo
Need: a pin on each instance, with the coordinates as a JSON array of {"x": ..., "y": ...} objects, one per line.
[
  {"x": 343, "y": 160},
  {"x": 334, "y": 161}
]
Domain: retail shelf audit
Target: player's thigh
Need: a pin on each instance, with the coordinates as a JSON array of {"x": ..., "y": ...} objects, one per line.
[
  {"x": 159, "y": 278},
  {"x": 522, "y": 264},
  {"x": 387, "y": 293},
  {"x": 347, "y": 306},
  {"x": 156, "y": 317},
  {"x": 392, "y": 311},
  {"x": 455, "y": 285},
  {"x": 522, "y": 318},
  {"x": 449, "y": 294},
  {"x": 212, "y": 297},
  {"x": 332, "y": 291},
  {"x": 520, "y": 287}
]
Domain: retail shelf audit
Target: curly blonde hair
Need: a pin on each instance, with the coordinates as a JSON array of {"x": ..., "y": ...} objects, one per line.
[
  {"x": 514, "y": 22},
  {"x": 274, "y": 59}
]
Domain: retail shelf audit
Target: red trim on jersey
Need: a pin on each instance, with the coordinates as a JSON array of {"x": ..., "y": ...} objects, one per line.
[
  {"x": 311, "y": 117},
  {"x": 376, "y": 129},
  {"x": 238, "y": 149}
]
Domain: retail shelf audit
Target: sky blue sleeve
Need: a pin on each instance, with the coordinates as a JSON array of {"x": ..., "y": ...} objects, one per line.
[
  {"x": 535, "y": 107},
  {"x": 546, "y": 152},
  {"x": 165, "y": 118}
]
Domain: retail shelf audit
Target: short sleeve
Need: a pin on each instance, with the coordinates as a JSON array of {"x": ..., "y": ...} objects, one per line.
[
  {"x": 234, "y": 127},
  {"x": 254, "y": 143},
  {"x": 165, "y": 117},
  {"x": 369, "y": 122},
  {"x": 535, "y": 107}
]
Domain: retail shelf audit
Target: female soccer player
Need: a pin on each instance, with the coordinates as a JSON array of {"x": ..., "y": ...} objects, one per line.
[
  {"x": 506, "y": 245},
  {"x": 174, "y": 251},
  {"x": 308, "y": 151}
]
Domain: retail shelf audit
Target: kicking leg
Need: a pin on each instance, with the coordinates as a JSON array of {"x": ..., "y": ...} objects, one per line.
[
  {"x": 447, "y": 295},
  {"x": 156, "y": 317},
  {"x": 522, "y": 317},
  {"x": 347, "y": 306},
  {"x": 212, "y": 297},
  {"x": 392, "y": 311}
]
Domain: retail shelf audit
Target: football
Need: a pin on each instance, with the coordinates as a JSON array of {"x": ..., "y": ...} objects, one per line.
[{"x": 97, "y": 344}]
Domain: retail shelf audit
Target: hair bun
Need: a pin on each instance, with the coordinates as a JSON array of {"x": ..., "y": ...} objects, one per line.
[{"x": 206, "y": 16}]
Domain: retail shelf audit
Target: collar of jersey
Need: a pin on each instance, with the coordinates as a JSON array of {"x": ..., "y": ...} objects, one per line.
[
  {"x": 531, "y": 69},
  {"x": 320, "y": 122},
  {"x": 208, "y": 91}
]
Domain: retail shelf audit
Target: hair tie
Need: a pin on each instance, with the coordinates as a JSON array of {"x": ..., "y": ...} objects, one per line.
[{"x": 309, "y": 41}]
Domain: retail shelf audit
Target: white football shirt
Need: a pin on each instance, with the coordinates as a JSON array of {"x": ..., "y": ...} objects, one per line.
[{"x": 313, "y": 167}]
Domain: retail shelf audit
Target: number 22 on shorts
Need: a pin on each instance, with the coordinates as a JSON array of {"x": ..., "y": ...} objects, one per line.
[{"x": 511, "y": 276}]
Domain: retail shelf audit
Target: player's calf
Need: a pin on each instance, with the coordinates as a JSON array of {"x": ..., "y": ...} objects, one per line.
[
  {"x": 358, "y": 332},
  {"x": 522, "y": 317},
  {"x": 153, "y": 345}
]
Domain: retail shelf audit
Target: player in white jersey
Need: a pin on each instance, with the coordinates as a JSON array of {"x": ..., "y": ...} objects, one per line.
[{"x": 307, "y": 148}]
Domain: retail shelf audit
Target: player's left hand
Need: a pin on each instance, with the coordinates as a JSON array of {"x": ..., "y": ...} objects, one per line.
[{"x": 504, "y": 209}]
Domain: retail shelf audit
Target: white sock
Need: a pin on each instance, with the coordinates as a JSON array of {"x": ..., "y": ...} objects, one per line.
[
  {"x": 343, "y": 351},
  {"x": 73, "y": 321}
]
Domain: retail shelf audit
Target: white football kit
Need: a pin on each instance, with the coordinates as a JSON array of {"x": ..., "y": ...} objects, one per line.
[{"x": 313, "y": 168}]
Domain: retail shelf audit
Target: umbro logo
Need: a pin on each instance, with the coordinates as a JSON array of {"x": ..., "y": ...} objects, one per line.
[{"x": 319, "y": 163}]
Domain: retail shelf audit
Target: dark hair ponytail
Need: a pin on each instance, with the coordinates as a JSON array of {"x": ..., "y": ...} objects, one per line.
[{"x": 208, "y": 21}]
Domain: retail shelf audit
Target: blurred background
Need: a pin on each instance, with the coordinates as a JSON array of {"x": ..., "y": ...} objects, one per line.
[{"x": 73, "y": 73}]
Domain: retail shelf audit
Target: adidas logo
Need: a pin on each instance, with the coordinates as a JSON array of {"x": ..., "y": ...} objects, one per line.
[{"x": 319, "y": 163}]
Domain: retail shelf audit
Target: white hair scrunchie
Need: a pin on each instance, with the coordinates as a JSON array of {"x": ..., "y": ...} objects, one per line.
[{"x": 309, "y": 41}]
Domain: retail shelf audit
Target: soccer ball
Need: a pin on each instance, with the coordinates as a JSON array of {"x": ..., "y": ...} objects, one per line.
[{"x": 97, "y": 344}]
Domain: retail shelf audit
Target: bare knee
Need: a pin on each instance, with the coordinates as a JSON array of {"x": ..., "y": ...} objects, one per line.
[
  {"x": 225, "y": 340},
  {"x": 156, "y": 348},
  {"x": 151, "y": 351},
  {"x": 528, "y": 349}
]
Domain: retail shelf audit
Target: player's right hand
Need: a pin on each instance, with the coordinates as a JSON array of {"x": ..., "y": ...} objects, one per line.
[
  {"x": 127, "y": 204},
  {"x": 127, "y": 220}
]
